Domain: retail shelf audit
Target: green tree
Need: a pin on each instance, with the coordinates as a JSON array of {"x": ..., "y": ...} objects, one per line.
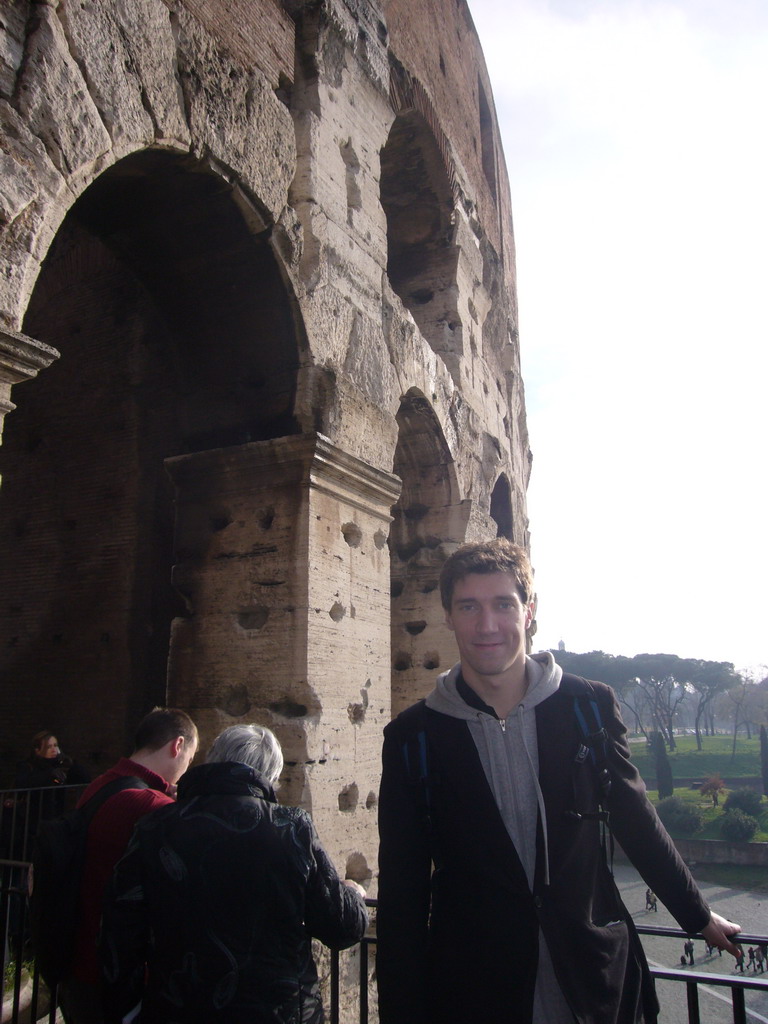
[
  {"x": 664, "y": 781},
  {"x": 764, "y": 757},
  {"x": 708, "y": 679}
]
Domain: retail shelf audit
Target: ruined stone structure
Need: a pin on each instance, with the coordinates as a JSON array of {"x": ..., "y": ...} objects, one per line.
[{"x": 258, "y": 318}]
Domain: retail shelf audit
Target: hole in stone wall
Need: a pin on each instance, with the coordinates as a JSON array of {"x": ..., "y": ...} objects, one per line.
[
  {"x": 253, "y": 618},
  {"x": 352, "y": 533},
  {"x": 219, "y": 523},
  {"x": 349, "y": 797},
  {"x": 371, "y": 801},
  {"x": 357, "y": 869},
  {"x": 356, "y": 713},
  {"x": 337, "y": 612},
  {"x": 396, "y": 588},
  {"x": 431, "y": 660},
  {"x": 235, "y": 701},
  {"x": 414, "y": 628},
  {"x": 288, "y": 708},
  {"x": 402, "y": 662},
  {"x": 379, "y": 539},
  {"x": 266, "y": 518}
]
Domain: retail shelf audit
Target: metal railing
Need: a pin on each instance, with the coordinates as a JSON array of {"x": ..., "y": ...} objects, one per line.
[
  {"x": 21, "y": 811},
  {"x": 738, "y": 984}
]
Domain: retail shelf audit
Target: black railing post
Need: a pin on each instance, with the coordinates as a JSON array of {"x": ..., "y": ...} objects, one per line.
[
  {"x": 364, "y": 982},
  {"x": 692, "y": 992},
  {"x": 739, "y": 1010},
  {"x": 334, "y": 986}
]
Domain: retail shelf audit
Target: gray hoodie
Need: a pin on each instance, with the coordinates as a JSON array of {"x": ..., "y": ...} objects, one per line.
[{"x": 509, "y": 754}]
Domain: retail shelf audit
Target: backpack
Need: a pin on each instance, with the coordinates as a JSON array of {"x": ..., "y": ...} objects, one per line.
[{"x": 58, "y": 859}]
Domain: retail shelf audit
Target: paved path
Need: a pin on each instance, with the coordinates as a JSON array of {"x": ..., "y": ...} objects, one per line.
[{"x": 750, "y": 910}]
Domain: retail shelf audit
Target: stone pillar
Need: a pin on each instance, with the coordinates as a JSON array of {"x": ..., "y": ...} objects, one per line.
[
  {"x": 21, "y": 358},
  {"x": 282, "y": 558}
]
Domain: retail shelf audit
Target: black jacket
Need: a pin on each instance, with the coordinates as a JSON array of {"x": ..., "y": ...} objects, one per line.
[
  {"x": 459, "y": 945},
  {"x": 220, "y": 894}
]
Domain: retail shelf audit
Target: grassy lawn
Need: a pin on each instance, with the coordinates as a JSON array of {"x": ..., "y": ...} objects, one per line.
[
  {"x": 712, "y": 816},
  {"x": 689, "y": 763},
  {"x": 715, "y": 759}
]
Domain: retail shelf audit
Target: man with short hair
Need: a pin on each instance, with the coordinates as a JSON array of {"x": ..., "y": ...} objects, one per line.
[
  {"x": 210, "y": 914},
  {"x": 496, "y": 899},
  {"x": 166, "y": 741}
]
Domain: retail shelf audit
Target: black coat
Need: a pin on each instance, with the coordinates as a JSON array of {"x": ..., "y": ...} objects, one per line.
[
  {"x": 459, "y": 945},
  {"x": 220, "y": 893}
]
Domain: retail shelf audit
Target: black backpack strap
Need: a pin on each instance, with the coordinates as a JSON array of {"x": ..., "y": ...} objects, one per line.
[
  {"x": 419, "y": 772},
  {"x": 593, "y": 742},
  {"x": 100, "y": 797},
  {"x": 593, "y": 750}
]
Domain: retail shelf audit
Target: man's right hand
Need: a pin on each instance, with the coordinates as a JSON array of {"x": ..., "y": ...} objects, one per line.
[{"x": 719, "y": 932}]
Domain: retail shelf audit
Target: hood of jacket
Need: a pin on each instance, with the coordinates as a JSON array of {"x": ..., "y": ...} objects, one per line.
[
  {"x": 227, "y": 778},
  {"x": 543, "y": 674}
]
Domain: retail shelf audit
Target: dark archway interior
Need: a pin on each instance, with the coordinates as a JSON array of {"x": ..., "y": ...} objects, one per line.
[
  {"x": 422, "y": 521},
  {"x": 422, "y": 256},
  {"x": 176, "y": 334},
  {"x": 501, "y": 507}
]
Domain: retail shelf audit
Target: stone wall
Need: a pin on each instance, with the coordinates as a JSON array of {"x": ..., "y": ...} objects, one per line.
[{"x": 258, "y": 314}]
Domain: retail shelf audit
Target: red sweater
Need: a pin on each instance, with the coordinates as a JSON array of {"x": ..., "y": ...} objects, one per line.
[{"x": 108, "y": 837}]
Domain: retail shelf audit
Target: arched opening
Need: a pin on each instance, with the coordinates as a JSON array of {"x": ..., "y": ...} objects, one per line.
[
  {"x": 487, "y": 145},
  {"x": 422, "y": 256},
  {"x": 501, "y": 507},
  {"x": 424, "y": 519},
  {"x": 176, "y": 334}
]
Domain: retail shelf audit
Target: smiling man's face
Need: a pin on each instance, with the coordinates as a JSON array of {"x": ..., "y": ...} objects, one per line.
[{"x": 489, "y": 619}]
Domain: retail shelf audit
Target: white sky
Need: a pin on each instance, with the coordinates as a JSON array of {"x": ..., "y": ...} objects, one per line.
[{"x": 636, "y": 140}]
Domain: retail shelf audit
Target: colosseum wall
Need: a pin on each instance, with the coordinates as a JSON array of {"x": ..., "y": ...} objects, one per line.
[{"x": 259, "y": 356}]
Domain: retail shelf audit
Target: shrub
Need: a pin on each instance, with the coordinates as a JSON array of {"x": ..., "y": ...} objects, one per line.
[
  {"x": 678, "y": 816},
  {"x": 744, "y": 799},
  {"x": 738, "y": 827}
]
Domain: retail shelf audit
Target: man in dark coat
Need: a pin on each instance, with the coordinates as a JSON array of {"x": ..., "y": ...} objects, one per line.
[
  {"x": 496, "y": 902},
  {"x": 214, "y": 905}
]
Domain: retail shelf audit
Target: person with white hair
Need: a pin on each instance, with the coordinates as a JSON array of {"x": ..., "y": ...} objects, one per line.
[{"x": 212, "y": 909}]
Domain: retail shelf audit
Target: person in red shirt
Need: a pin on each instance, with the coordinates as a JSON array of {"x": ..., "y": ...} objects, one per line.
[{"x": 166, "y": 742}]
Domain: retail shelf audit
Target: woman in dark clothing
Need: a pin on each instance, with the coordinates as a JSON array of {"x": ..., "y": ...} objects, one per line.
[
  {"x": 212, "y": 910},
  {"x": 45, "y": 768}
]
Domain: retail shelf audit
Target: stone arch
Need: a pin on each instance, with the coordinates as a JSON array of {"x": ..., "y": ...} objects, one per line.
[
  {"x": 427, "y": 521},
  {"x": 501, "y": 507},
  {"x": 177, "y": 334},
  {"x": 417, "y": 194}
]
